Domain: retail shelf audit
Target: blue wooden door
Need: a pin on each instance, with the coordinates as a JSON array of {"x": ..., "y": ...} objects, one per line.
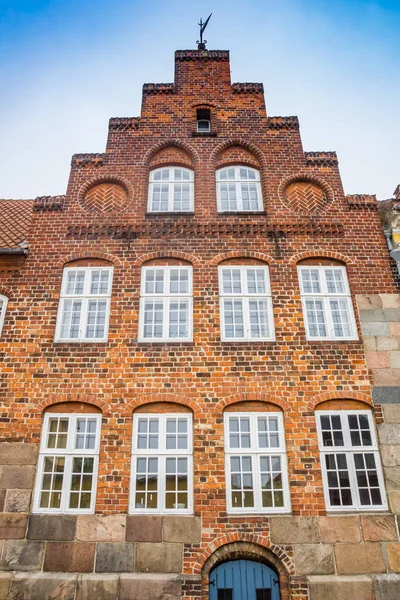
[{"x": 243, "y": 580}]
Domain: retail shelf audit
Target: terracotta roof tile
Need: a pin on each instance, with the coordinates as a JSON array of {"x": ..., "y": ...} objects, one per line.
[{"x": 15, "y": 221}]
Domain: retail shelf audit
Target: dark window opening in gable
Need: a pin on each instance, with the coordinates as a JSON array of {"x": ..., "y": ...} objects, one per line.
[{"x": 203, "y": 120}]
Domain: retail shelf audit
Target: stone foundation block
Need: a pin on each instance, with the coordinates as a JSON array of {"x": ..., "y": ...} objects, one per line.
[
  {"x": 314, "y": 559},
  {"x": 17, "y": 501},
  {"x": 149, "y": 587},
  {"x": 16, "y": 477},
  {"x": 2, "y": 499},
  {"x": 394, "y": 501},
  {"x": 158, "y": 558},
  {"x": 98, "y": 528},
  {"x": 13, "y": 526},
  {"x": 390, "y": 456},
  {"x": 59, "y": 528},
  {"x": 390, "y": 300},
  {"x": 387, "y": 587},
  {"x": 43, "y": 586},
  {"x": 392, "y": 478},
  {"x": 391, "y": 412},
  {"x": 339, "y": 529},
  {"x": 369, "y": 301},
  {"x": 69, "y": 557},
  {"x": 98, "y": 587},
  {"x": 389, "y": 433},
  {"x": 393, "y": 553},
  {"x": 22, "y": 556},
  {"x": 375, "y": 328},
  {"x": 115, "y": 557},
  {"x": 377, "y": 528},
  {"x": 338, "y": 588},
  {"x": 359, "y": 558},
  {"x": 5, "y": 580},
  {"x": 294, "y": 530},
  {"x": 143, "y": 528},
  {"x": 18, "y": 453},
  {"x": 389, "y": 377},
  {"x": 182, "y": 529}
]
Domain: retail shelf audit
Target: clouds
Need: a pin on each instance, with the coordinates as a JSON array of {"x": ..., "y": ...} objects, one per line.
[{"x": 67, "y": 67}]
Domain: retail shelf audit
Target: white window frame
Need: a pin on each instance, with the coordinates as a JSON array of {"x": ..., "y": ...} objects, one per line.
[
  {"x": 166, "y": 297},
  {"x": 171, "y": 181},
  {"x": 86, "y": 297},
  {"x": 68, "y": 453},
  {"x": 162, "y": 453},
  {"x": 349, "y": 450},
  {"x": 3, "y": 310},
  {"x": 325, "y": 296},
  {"x": 237, "y": 181},
  {"x": 255, "y": 452},
  {"x": 246, "y": 297}
]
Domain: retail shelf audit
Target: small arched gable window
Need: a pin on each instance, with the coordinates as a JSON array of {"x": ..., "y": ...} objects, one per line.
[
  {"x": 171, "y": 189},
  {"x": 239, "y": 189},
  {"x": 3, "y": 308}
]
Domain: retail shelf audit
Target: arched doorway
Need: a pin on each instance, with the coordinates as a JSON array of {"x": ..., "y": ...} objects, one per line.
[{"x": 243, "y": 580}]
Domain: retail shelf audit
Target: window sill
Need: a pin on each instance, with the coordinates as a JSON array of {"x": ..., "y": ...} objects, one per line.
[
  {"x": 164, "y": 342},
  {"x": 242, "y": 212},
  {"x": 248, "y": 341},
  {"x": 81, "y": 341},
  {"x": 336, "y": 340},
  {"x": 164, "y": 213},
  {"x": 260, "y": 513},
  {"x": 211, "y": 134}
]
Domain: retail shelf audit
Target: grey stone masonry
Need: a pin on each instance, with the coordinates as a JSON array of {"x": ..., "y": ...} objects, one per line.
[
  {"x": 59, "y": 528},
  {"x": 153, "y": 557},
  {"x": 294, "y": 530},
  {"x": 18, "y": 453},
  {"x": 22, "y": 556},
  {"x": 115, "y": 557},
  {"x": 389, "y": 438}
]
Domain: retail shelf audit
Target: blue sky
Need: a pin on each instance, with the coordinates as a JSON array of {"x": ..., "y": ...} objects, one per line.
[{"x": 67, "y": 66}]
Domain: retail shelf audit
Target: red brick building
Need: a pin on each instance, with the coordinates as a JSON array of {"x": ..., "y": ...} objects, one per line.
[{"x": 192, "y": 351}]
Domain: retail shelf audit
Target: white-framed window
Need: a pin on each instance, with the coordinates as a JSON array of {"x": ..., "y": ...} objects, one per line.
[
  {"x": 166, "y": 304},
  {"x": 351, "y": 466},
  {"x": 327, "y": 306},
  {"x": 255, "y": 463},
  {"x": 68, "y": 463},
  {"x": 3, "y": 308},
  {"x": 162, "y": 464},
  {"x": 245, "y": 303},
  {"x": 84, "y": 307},
  {"x": 171, "y": 189},
  {"x": 239, "y": 189}
]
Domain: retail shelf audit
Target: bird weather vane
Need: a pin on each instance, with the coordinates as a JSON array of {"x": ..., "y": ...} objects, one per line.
[{"x": 201, "y": 45}]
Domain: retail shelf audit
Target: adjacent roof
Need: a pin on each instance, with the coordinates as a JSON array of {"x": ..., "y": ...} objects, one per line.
[{"x": 15, "y": 221}]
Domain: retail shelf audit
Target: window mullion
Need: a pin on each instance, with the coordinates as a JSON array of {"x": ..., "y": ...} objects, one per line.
[
  {"x": 328, "y": 317},
  {"x": 67, "y": 481},
  {"x": 166, "y": 302},
  {"x": 171, "y": 189},
  {"x": 238, "y": 193},
  {"x": 355, "y": 492},
  {"x": 83, "y": 318},
  {"x": 255, "y": 457}
]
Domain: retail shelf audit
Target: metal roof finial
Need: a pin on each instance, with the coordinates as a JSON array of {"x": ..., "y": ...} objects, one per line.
[{"x": 201, "y": 45}]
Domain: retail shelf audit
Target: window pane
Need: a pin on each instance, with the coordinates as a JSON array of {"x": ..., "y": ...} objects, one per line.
[
  {"x": 334, "y": 281},
  {"x": 315, "y": 317},
  {"x": 331, "y": 428},
  {"x": 338, "y": 480},
  {"x": 179, "y": 319},
  {"x": 146, "y": 493},
  {"x": 176, "y": 483},
  {"x": 154, "y": 281},
  {"x": 268, "y": 436},
  {"x": 258, "y": 311},
  {"x": 96, "y": 319},
  {"x": 242, "y": 482},
  {"x": 233, "y": 319},
  {"x": 99, "y": 282},
  {"x": 367, "y": 479},
  {"x": 340, "y": 317},
  {"x": 75, "y": 282},
  {"x": 52, "y": 481},
  {"x": 228, "y": 196},
  {"x": 153, "y": 319},
  {"x": 70, "y": 318},
  {"x": 311, "y": 281}
]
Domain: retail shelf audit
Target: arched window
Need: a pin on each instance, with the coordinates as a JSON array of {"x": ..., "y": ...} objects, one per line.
[
  {"x": 327, "y": 306},
  {"x": 166, "y": 304},
  {"x": 84, "y": 307},
  {"x": 3, "y": 308},
  {"x": 256, "y": 465},
  {"x": 68, "y": 462},
  {"x": 171, "y": 189},
  {"x": 162, "y": 465},
  {"x": 351, "y": 466},
  {"x": 239, "y": 189}
]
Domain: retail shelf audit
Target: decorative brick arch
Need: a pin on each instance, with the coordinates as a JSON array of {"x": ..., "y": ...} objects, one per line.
[
  {"x": 90, "y": 253},
  {"x": 237, "y": 546},
  {"x": 82, "y": 398},
  {"x": 250, "y": 397},
  {"x": 320, "y": 254},
  {"x": 349, "y": 395},
  {"x": 237, "y": 142},
  {"x": 191, "y": 258},
  {"x": 171, "y": 143},
  {"x": 106, "y": 178},
  {"x": 133, "y": 404},
  {"x": 6, "y": 292},
  {"x": 304, "y": 176},
  {"x": 242, "y": 254}
]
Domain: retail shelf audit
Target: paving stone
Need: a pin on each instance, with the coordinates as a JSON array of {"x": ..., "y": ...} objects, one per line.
[
  {"x": 5, "y": 580},
  {"x": 369, "y": 301},
  {"x": 100, "y": 587},
  {"x": 393, "y": 553},
  {"x": 182, "y": 529},
  {"x": 378, "y": 329},
  {"x": 22, "y": 556},
  {"x": 99, "y": 528},
  {"x": 2, "y": 499},
  {"x": 158, "y": 558},
  {"x": 390, "y": 300},
  {"x": 17, "y": 501},
  {"x": 339, "y": 588},
  {"x": 114, "y": 557},
  {"x": 392, "y": 478},
  {"x": 149, "y": 587},
  {"x": 387, "y": 587},
  {"x": 69, "y": 557},
  {"x": 51, "y": 527},
  {"x": 391, "y": 412},
  {"x": 388, "y": 434},
  {"x": 339, "y": 529},
  {"x": 17, "y": 477},
  {"x": 390, "y": 456},
  {"x": 394, "y": 501},
  {"x": 13, "y": 526},
  {"x": 18, "y": 453},
  {"x": 377, "y": 528},
  {"x": 314, "y": 559},
  {"x": 143, "y": 529},
  {"x": 359, "y": 559},
  {"x": 43, "y": 586},
  {"x": 294, "y": 530}
]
